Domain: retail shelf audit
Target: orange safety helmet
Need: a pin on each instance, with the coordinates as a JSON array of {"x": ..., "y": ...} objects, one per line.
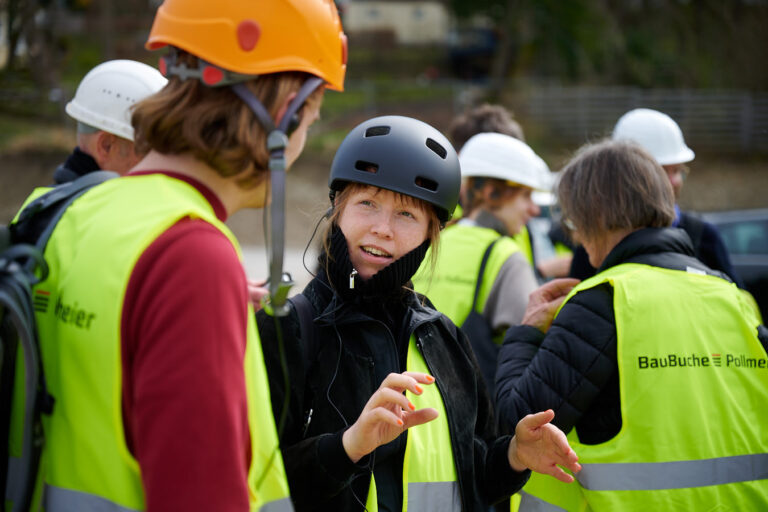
[{"x": 256, "y": 38}]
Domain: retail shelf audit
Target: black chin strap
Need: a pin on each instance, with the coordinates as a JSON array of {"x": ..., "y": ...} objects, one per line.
[{"x": 279, "y": 282}]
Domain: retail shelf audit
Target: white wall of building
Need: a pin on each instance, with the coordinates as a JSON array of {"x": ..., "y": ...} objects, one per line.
[{"x": 411, "y": 22}]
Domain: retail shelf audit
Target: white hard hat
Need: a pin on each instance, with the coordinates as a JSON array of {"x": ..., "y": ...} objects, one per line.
[
  {"x": 106, "y": 94},
  {"x": 494, "y": 155},
  {"x": 657, "y": 133}
]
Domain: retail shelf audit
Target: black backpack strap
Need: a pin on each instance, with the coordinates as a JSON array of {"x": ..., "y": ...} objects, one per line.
[
  {"x": 21, "y": 267},
  {"x": 17, "y": 327},
  {"x": 480, "y": 273},
  {"x": 306, "y": 312},
  {"x": 39, "y": 218}
]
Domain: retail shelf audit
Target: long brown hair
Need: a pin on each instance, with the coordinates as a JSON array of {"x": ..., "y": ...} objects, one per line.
[{"x": 213, "y": 124}]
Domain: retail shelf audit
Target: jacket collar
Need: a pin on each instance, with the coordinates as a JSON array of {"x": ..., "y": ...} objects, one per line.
[
  {"x": 649, "y": 241},
  {"x": 333, "y": 309}
]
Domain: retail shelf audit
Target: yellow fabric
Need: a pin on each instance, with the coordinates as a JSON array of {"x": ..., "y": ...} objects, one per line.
[
  {"x": 91, "y": 256},
  {"x": 523, "y": 241},
  {"x": 688, "y": 394},
  {"x": 450, "y": 285},
  {"x": 428, "y": 452}
]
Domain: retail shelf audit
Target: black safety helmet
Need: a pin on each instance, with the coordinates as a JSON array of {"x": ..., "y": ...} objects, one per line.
[{"x": 403, "y": 155}]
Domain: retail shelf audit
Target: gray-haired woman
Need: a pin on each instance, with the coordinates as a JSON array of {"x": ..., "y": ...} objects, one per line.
[{"x": 657, "y": 361}]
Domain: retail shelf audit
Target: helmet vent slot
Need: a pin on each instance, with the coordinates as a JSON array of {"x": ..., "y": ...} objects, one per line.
[
  {"x": 375, "y": 131},
  {"x": 364, "y": 166},
  {"x": 425, "y": 183},
  {"x": 437, "y": 148}
]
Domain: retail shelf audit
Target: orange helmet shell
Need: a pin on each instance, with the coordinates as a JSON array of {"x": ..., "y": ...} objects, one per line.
[{"x": 256, "y": 38}]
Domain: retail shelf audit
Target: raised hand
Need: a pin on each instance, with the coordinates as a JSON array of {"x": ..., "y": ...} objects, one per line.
[
  {"x": 542, "y": 447},
  {"x": 544, "y": 301},
  {"x": 387, "y": 414}
]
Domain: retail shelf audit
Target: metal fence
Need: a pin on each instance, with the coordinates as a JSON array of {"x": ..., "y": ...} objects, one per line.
[{"x": 717, "y": 120}]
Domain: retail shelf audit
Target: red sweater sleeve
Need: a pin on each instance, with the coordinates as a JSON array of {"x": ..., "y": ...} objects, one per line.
[{"x": 184, "y": 397}]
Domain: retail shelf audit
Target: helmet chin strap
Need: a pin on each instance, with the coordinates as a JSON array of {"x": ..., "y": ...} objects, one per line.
[{"x": 279, "y": 282}]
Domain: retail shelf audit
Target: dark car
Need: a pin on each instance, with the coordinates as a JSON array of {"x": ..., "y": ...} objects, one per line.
[{"x": 745, "y": 233}]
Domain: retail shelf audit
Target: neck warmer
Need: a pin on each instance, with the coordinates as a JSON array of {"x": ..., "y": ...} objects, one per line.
[
  {"x": 386, "y": 284},
  {"x": 77, "y": 164}
]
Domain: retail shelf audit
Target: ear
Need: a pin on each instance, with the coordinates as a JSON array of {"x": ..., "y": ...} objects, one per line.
[
  {"x": 103, "y": 145},
  {"x": 489, "y": 192},
  {"x": 295, "y": 120}
]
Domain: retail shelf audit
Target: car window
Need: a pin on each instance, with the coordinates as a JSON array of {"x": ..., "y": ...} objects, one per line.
[{"x": 746, "y": 237}]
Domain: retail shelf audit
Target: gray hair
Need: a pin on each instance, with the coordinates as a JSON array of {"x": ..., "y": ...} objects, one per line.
[{"x": 614, "y": 185}]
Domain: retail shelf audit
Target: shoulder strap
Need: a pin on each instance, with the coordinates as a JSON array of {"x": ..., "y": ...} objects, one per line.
[
  {"x": 21, "y": 267},
  {"x": 39, "y": 218},
  {"x": 480, "y": 273},
  {"x": 306, "y": 312}
]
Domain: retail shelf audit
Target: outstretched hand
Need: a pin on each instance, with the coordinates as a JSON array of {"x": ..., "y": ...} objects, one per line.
[
  {"x": 544, "y": 301},
  {"x": 256, "y": 291},
  {"x": 542, "y": 447},
  {"x": 387, "y": 414}
]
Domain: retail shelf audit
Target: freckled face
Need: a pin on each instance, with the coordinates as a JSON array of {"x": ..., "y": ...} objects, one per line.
[{"x": 380, "y": 228}]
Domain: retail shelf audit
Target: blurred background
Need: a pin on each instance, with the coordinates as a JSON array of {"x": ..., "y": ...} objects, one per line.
[{"x": 567, "y": 69}]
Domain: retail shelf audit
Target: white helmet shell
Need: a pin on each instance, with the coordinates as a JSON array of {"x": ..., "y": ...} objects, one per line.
[
  {"x": 494, "y": 155},
  {"x": 106, "y": 94},
  {"x": 657, "y": 133}
]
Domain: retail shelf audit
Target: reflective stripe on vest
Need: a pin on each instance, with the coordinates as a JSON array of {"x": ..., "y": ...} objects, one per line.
[
  {"x": 646, "y": 476},
  {"x": 281, "y": 505},
  {"x": 80, "y": 343},
  {"x": 450, "y": 285},
  {"x": 691, "y": 375},
  {"x": 429, "y": 471},
  {"x": 531, "y": 503},
  {"x": 58, "y": 499}
]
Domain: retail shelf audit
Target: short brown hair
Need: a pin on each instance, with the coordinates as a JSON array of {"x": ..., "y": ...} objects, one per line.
[
  {"x": 475, "y": 198},
  {"x": 213, "y": 124},
  {"x": 614, "y": 185},
  {"x": 340, "y": 202},
  {"x": 485, "y": 118}
]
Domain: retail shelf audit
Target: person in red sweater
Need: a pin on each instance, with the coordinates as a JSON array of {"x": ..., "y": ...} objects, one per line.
[{"x": 189, "y": 420}]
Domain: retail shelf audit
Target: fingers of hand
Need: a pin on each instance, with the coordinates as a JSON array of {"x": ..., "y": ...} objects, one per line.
[
  {"x": 420, "y": 417},
  {"x": 410, "y": 381},
  {"x": 423, "y": 378},
  {"x": 388, "y": 397},
  {"x": 534, "y": 421},
  {"x": 561, "y": 475},
  {"x": 561, "y": 286}
]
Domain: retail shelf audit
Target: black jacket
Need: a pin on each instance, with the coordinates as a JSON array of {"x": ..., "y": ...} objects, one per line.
[
  {"x": 573, "y": 368},
  {"x": 708, "y": 247},
  {"x": 329, "y": 389}
]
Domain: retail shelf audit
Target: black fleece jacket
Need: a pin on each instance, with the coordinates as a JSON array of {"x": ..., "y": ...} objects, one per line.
[
  {"x": 573, "y": 368},
  {"x": 360, "y": 336}
]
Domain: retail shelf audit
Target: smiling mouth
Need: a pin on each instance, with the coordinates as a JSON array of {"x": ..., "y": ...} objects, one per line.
[{"x": 375, "y": 252}]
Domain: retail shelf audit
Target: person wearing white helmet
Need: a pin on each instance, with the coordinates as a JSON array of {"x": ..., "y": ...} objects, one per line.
[
  {"x": 102, "y": 109},
  {"x": 500, "y": 173},
  {"x": 661, "y": 136}
]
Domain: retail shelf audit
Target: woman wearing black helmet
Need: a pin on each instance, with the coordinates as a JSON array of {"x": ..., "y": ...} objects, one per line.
[{"x": 367, "y": 359}]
